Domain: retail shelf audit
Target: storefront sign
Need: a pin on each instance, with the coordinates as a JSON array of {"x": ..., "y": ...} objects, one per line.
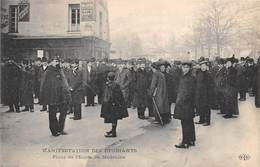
[
  {"x": 24, "y": 12},
  {"x": 88, "y": 11}
]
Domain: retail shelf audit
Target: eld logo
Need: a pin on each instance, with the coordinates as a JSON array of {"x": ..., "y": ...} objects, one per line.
[{"x": 244, "y": 157}]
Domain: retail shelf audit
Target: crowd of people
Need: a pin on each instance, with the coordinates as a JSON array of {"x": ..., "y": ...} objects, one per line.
[{"x": 196, "y": 88}]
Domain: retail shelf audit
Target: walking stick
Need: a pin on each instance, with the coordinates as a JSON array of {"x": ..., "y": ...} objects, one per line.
[{"x": 157, "y": 111}]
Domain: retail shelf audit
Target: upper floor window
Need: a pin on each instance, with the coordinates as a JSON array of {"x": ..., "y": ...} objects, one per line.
[
  {"x": 74, "y": 17},
  {"x": 13, "y": 21}
]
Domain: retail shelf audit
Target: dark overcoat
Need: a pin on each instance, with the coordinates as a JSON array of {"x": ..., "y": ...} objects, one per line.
[
  {"x": 204, "y": 91},
  {"x": 141, "y": 89},
  {"x": 76, "y": 83},
  {"x": 170, "y": 86},
  {"x": 113, "y": 106},
  {"x": 54, "y": 87},
  {"x": 27, "y": 86},
  {"x": 176, "y": 75},
  {"x": 41, "y": 72},
  {"x": 241, "y": 78},
  {"x": 230, "y": 92},
  {"x": 158, "y": 90},
  {"x": 123, "y": 78},
  {"x": 257, "y": 86},
  {"x": 12, "y": 81},
  {"x": 185, "y": 103},
  {"x": 37, "y": 83}
]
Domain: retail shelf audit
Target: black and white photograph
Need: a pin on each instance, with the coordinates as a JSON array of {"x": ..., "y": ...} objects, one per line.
[{"x": 130, "y": 83}]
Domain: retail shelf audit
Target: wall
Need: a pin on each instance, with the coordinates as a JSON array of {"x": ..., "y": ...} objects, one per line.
[{"x": 50, "y": 18}]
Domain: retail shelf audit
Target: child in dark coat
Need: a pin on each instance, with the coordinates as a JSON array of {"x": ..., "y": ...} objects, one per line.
[{"x": 114, "y": 106}]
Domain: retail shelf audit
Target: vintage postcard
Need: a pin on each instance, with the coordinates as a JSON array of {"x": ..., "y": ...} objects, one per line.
[{"x": 130, "y": 83}]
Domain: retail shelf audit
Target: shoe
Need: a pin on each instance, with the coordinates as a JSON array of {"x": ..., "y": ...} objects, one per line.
[
  {"x": 31, "y": 110},
  {"x": 10, "y": 111},
  {"x": 182, "y": 145},
  {"x": 141, "y": 117},
  {"x": 227, "y": 116},
  {"x": 220, "y": 113},
  {"x": 76, "y": 118},
  {"x": 111, "y": 135},
  {"x": 18, "y": 111},
  {"x": 109, "y": 132},
  {"x": 192, "y": 143},
  {"x": 25, "y": 110},
  {"x": 44, "y": 109},
  {"x": 199, "y": 122},
  {"x": 87, "y": 105},
  {"x": 56, "y": 135},
  {"x": 206, "y": 124},
  {"x": 156, "y": 122},
  {"x": 63, "y": 133}
]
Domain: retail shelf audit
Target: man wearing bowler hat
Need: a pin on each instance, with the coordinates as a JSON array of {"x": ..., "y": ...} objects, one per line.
[{"x": 185, "y": 106}]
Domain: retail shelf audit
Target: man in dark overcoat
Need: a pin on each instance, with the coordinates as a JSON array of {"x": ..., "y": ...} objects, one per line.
[
  {"x": 250, "y": 68},
  {"x": 91, "y": 84},
  {"x": 141, "y": 91},
  {"x": 230, "y": 90},
  {"x": 158, "y": 91},
  {"x": 27, "y": 86},
  {"x": 241, "y": 79},
  {"x": 219, "y": 83},
  {"x": 185, "y": 106},
  {"x": 55, "y": 92},
  {"x": 37, "y": 84},
  {"x": 12, "y": 79},
  {"x": 149, "y": 74},
  {"x": 76, "y": 86},
  {"x": 43, "y": 68},
  {"x": 257, "y": 84},
  {"x": 204, "y": 94},
  {"x": 123, "y": 78},
  {"x": 176, "y": 75}
]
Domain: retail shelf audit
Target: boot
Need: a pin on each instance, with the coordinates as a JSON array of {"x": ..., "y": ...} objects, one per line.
[
  {"x": 113, "y": 132},
  {"x": 25, "y": 109},
  {"x": 109, "y": 132}
]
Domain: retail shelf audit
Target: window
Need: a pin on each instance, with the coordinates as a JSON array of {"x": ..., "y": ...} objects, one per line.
[
  {"x": 13, "y": 23},
  {"x": 101, "y": 25},
  {"x": 74, "y": 17}
]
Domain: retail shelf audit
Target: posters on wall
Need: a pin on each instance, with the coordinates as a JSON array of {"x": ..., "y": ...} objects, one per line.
[
  {"x": 88, "y": 10},
  {"x": 24, "y": 12}
]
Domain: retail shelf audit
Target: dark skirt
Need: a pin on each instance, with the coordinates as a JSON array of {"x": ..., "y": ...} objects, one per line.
[{"x": 112, "y": 113}]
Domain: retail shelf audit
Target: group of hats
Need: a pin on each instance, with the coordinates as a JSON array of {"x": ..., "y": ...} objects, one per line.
[{"x": 160, "y": 63}]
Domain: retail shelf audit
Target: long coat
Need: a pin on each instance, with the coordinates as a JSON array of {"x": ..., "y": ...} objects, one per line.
[
  {"x": 230, "y": 92},
  {"x": 204, "y": 91},
  {"x": 123, "y": 78},
  {"x": 257, "y": 86},
  {"x": 219, "y": 80},
  {"x": 141, "y": 89},
  {"x": 158, "y": 90},
  {"x": 41, "y": 72},
  {"x": 170, "y": 85},
  {"x": 54, "y": 88},
  {"x": 241, "y": 78},
  {"x": 27, "y": 86},
  {"x": 76, "y": 83},
  {"x": 176, "y": 75},
  {"x": 12, "y": 79},
  {"x": 185, "y": 103},
  {"x": 113, "y": 106}
]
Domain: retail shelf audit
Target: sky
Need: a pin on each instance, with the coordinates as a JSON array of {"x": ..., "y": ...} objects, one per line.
[{"x": 146, "y": 17}]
